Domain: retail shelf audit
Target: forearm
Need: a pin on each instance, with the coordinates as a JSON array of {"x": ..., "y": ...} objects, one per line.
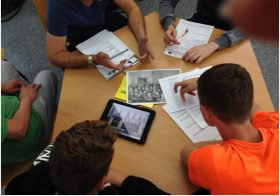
[
  {"x": 166, "y": 12},
  {"x": 68, "y": 59},
  {"x": 18, "y": 125},
  {"x": 115, "y": 177},
  {"x": 230, "y": 38},
  {"x": 137, "y": 24}
]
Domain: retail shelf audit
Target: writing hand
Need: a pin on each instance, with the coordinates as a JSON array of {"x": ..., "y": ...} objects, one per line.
[{"x": 171, "y": 35}]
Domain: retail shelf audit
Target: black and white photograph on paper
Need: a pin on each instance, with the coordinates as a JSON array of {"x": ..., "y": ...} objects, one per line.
[{"x": 143, "y": 86}]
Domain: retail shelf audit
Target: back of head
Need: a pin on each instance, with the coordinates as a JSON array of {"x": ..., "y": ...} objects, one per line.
[
  {"x": 227, "y": 89},
  {"x": 81, "y": 156}
]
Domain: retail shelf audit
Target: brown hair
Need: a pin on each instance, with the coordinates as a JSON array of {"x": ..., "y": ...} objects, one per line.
[
  {"x": 81, "y": 156},
  {"x": 227, "y": 89}
]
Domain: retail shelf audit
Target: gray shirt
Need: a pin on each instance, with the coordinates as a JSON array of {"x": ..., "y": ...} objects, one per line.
[{"x": 209, "y": 9}]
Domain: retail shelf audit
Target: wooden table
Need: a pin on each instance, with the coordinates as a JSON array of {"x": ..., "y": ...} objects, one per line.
[{"x": 85, "y": 93}]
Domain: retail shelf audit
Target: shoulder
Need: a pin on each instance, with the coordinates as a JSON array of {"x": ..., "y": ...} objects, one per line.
[{"x": 265, "y": 119}]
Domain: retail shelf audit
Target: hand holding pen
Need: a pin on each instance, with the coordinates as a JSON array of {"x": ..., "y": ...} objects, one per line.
[
  {"x": 185, "y": 32},
  {"x": 170, "y": 37}
]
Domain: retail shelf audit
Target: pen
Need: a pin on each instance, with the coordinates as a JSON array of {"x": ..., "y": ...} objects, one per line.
[
  {"x": 186, "y": 31},
  {"x": 118, "y": 54}
]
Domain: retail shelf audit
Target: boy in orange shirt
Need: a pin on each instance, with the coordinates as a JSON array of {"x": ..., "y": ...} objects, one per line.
[{"x": 246, "y": 160}]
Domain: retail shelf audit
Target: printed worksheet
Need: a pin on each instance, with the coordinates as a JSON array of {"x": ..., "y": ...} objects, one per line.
[
  {"x": 174, "y": 100},
  {"x": 110, "y": 44},
  {"x": 189, "y": 34},
  {"x": 196, "y": 134},
  {"x": 197, "y": 116}
]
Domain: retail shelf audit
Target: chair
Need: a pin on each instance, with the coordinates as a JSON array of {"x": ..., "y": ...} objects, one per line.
[{"x": 41, "y": 9}]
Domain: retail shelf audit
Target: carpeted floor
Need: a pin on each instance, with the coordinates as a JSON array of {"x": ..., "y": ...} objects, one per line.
[{"x": 23, "y": 39}]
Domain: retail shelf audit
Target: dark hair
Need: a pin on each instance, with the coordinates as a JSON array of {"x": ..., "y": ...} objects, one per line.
[
  {"x": 81, "y": 157},
  {"x": 227, "y": 89}
]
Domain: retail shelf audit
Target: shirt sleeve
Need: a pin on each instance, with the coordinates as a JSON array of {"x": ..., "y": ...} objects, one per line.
[
  {"x": 230, "y": 38},
  {"x": 200, "y": 167},
  {"x": 4, "y": 127},
  {"x": 265, "y": 119},
  {"x": 57, "y": 21},
  {"x": 166, "y": 12}
]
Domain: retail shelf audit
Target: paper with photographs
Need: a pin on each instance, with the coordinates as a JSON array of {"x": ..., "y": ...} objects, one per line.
[{"x": 143, "y": 86}]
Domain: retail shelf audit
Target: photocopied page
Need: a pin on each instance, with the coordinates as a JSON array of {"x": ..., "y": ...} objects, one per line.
[
  {"x": 196, "y": 134},
  {"x": 142, "y": 86},
  {"x": 110, "y": 44},
  {"x": 189, "y": 34},
  {"x": 174, "y": 100},
  {"x": 121, "y": 93},
  {"x": 197, "y": 116}
]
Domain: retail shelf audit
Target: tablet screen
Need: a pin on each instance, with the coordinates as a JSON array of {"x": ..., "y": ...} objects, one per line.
[{"x": 127, "y": 121}]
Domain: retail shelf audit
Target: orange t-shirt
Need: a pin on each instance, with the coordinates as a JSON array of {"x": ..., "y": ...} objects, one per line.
[{"x": 238, "y": 167}]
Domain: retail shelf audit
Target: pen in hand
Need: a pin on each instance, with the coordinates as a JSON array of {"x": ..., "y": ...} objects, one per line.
[{"x": 186, "y": 31}]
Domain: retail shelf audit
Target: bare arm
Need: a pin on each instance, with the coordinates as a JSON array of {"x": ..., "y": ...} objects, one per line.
[
  {"x": 137, "y": 24},
  {"x": 18, "y": 125},
  {"x": 59, "y": 56},
  {"x": 186, "y": 151}
]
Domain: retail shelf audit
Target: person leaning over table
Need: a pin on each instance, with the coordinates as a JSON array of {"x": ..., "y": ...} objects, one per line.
[
  {"x": 70, "y": 22},
  {"x": 78, "y": 163},
  {"x": 27, "y": 119},
  {"x": 207, "y": 12},
  {"x": 246, "y": 161}
]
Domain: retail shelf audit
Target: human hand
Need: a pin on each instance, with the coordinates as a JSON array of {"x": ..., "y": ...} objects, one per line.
[
  {"x": 170, "y": 37},
  {"x": 199, "y": 53},
  {"x": 144, "y": 50},
  {"x": 29, "y": 92},
  {"x": 103, "y": 59},
  {"x": 12, "y": 86},
  {"x": 115, "y": 177},
  {"x": 187, "y": 86}
]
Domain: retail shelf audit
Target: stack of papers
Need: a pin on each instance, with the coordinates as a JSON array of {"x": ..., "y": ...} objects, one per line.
[
  {"x": 121, "y": 93},
  {"x": 189, "y": 34},
  {"x": 108, "y": 43},
  {"x": 187, "y": 114}
]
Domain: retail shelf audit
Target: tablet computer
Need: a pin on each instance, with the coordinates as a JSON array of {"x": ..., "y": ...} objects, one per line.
[{"x": 130, "y": 122}]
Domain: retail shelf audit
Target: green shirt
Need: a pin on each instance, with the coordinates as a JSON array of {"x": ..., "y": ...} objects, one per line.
[{"x": 15, "y": 151}]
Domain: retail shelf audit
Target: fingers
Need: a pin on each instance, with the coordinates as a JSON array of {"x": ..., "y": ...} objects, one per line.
[
  {"x": 37, "y": 87},
  {"x": 182, "y": 93},
  {"x": 143, "y": 57},
  {"x": 192, "y": 93},
  {"x": 189, "y": 54},
  {"x": 111, "y": 65},
  {"x": 151, "y": 54},
  {"x": 176, "y": 85},
  {"x": 170, "y": 38},
  {"x": 19, "y": 82},
  {"x": 199, "y": 60}
]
